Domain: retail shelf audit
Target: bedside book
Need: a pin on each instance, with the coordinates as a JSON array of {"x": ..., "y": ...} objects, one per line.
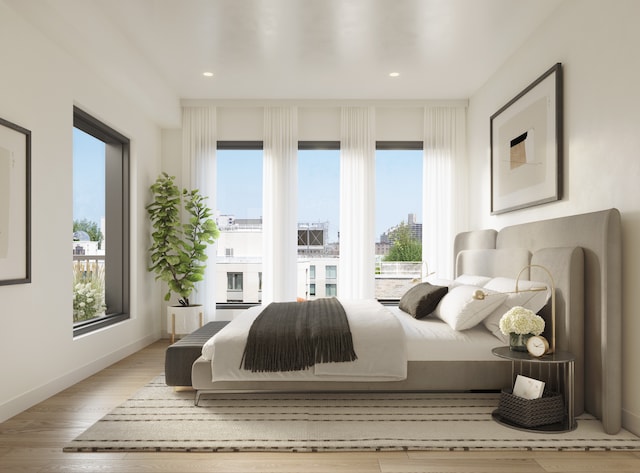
[{"x": 528, "y": 388}]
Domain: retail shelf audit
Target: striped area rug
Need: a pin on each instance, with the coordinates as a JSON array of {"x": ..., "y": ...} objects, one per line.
[{"x": 159, "y": 418}]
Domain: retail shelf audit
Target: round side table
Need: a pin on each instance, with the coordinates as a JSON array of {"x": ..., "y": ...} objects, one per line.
[{"x": 557, "y": 369}]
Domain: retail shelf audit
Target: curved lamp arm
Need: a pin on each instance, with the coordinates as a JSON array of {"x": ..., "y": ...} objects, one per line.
[
  {"x": 552, "y": 347},
  {"x": 480, "y": 295}
]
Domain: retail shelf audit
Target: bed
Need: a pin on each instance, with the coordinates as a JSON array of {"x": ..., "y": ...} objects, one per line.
[{"x": 583, "y": 254}]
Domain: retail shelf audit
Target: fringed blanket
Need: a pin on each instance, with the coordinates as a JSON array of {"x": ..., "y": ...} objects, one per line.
[{"x": 293, "y": 336}]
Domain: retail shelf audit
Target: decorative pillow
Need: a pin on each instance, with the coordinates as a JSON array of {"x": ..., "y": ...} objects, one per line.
[
  {"x": 532, "y": 300},
  {"x": 462, "y": 311},
  {"x": 422, "y": 299}
]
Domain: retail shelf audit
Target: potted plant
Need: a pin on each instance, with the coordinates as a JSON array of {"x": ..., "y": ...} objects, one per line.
[{"x": 182, "y": 230}]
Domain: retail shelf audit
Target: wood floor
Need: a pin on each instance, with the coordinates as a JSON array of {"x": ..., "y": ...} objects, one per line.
[{"x": 33, "y": 440}]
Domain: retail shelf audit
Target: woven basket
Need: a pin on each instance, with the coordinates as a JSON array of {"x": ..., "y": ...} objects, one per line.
[{"x": 548, "y": 409}]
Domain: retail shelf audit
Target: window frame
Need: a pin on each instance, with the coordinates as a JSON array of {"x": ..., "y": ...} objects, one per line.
[{"x": 117, "y": 214}]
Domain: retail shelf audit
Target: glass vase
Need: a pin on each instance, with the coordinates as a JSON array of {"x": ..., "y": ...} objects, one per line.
[{"x": 518, "y": 341}]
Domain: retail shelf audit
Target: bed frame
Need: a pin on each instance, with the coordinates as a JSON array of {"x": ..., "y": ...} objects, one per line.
[{"x": 583, "y": 253}]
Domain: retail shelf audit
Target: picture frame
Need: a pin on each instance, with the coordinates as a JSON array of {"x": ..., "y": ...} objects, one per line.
[
  {"x": 15, "y": 204},
  {"x": 526, "y": 146}
]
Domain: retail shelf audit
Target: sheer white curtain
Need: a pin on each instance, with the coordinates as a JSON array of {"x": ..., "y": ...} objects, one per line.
[
  {"x": 356, "y": 279},
  {"x": 280, "y": 204},
  {"x": 444, "y": 183},
  {"x": 199, "y": 172}
]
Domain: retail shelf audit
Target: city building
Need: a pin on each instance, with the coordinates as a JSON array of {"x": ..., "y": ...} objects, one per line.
[
  {"x": 415, "y": 229},
  {"x": 239, "y": 263}
]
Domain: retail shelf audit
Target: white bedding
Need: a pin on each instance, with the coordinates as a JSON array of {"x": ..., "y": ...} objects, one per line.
[
  {"x": 432, "y": 339},
  {"x": 378, "y": 340}
]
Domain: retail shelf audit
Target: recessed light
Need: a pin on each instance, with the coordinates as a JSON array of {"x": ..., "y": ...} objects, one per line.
[
  {"x": 207, "y": 74},
  {"x": 394, "y": 74}
]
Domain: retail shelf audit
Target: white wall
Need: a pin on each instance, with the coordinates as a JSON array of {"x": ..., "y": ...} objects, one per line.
[
  {"x": 40, "y": 84},
  {"x": 597, "y": 43}
]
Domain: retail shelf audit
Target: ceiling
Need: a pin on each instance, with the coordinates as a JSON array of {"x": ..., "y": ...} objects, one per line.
[{"x": 292, "y": 49}]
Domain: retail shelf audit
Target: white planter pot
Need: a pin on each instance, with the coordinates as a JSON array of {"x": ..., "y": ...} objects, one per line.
[{"x": 182, "y": 320}]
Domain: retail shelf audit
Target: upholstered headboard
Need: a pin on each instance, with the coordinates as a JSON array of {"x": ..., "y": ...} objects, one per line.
[{"x": 583, "y": 253}]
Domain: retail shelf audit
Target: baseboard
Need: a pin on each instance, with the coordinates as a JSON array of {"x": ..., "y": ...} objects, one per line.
[
  {"x": 30, "y": 398},
  {"x": 631, "y": 422}
]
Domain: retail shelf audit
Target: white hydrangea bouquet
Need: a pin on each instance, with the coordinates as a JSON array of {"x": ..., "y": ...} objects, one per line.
[
  {"x": 520, "y": 324},
  {"x": 521, "y": 321}
]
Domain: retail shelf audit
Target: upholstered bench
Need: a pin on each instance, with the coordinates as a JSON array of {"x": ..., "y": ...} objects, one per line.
[{"x": 180, "y": 356}]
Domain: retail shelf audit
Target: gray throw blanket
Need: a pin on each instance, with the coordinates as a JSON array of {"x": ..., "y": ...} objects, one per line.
[{"x": 293, "y": 336}]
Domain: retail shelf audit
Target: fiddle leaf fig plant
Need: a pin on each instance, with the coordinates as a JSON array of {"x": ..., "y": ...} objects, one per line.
[{"x": 178, "y": 252}]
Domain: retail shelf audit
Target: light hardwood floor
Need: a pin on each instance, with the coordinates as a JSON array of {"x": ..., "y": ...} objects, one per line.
[{"x": 33, "y": 440}]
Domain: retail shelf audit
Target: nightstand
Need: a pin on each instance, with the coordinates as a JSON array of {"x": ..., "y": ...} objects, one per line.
[{"x": 556, "y": 370}]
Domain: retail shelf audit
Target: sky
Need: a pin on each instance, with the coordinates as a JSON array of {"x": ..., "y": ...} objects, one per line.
[
  {"x": 239, "y": 184},
  {"x": 88, "y": 177},
  {"x": 398, "y": 186}
]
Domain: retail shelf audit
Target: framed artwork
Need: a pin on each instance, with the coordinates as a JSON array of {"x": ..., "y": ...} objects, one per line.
[
  {"x": 526, "y": 146},
  {"x": 15, "y": 204}
]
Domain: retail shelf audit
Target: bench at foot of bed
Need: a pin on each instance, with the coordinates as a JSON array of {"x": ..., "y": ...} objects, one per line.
[{"x": 180, "y": 356}]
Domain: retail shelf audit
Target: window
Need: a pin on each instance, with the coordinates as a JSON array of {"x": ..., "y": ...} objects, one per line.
[
  {"x": 234, "y": 281},
  {"x": 234, "y": 287},
  {"x": 318, "y": 210},
  {"x": 312, "y": 289},
  {"x": 331, "y": 290},
  {"x": 331, "y": 272},
  {"x": 398, "y": 214},
  {"x": 239, "y": 218},
  {"x": 100, "y": 247}
]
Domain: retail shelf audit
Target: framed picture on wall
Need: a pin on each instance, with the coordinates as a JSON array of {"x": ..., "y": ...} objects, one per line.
[
  {"x": 526, "y": 146},
  {"x": 15, "y": 204}
]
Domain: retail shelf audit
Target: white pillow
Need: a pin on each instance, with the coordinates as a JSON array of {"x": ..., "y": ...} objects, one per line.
[
  {"x": 532, "y": 300},
  {"x": 470, "y": 280},
  {"x": 461, "y": 311},
  {"x": 438, "y": 281}
]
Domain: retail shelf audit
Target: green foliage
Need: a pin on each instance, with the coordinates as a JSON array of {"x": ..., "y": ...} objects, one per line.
[
  {"x": 92, "y": 229},
  {"x": 405, "y": 248},
  {"x": 178, "y": 251}
]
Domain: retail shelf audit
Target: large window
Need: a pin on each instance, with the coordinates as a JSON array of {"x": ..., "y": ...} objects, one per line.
[
  {"x": 318, "y": 216},
  {"x": 398, "y": 217},
  {"x": 239, "y": 218},
  {"x": 398, "y": 213},
  {"x": 100, "y": 245}
]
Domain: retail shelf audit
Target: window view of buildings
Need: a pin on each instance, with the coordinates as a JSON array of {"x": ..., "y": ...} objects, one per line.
[
  {"x": 238, "y": 262},
  {"x": 239, "y": 259}
]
